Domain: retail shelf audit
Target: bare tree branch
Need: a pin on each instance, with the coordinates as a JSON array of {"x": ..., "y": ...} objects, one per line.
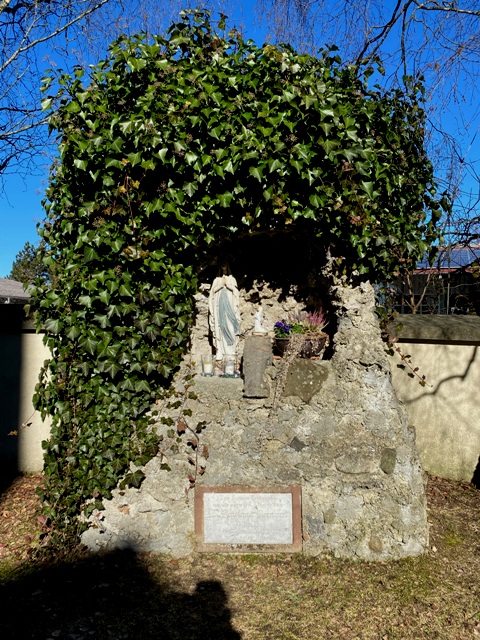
[
  {"x": 433, "y": 39},
  {"x": 23, "y": 48},
  {"x": 4, "y": 4},
  {"x": 399, "y": 11},
  {"x": 25, "y": 28},
  {"x": 436, "y": 39},
  {"x": 38, "y": 34}
]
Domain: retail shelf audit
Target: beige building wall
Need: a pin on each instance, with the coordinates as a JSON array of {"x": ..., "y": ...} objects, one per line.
[
  {"x": 22, "y": 354},
  {"x": 445, "y": 412},
  {"x": 30, "y": 436}
]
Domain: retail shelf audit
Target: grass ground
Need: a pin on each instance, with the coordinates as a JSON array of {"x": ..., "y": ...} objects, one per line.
[{"x": 143, "y": 596}]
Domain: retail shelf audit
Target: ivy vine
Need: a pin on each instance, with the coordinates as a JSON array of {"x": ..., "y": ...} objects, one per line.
[{"x": 166, "y": 147}]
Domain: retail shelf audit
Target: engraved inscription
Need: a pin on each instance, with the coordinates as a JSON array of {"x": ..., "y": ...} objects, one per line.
[{"x": 247, "y": 518}]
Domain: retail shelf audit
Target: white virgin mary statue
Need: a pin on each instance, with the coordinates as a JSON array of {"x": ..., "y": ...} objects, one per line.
[{"x": 224, "y": 313}]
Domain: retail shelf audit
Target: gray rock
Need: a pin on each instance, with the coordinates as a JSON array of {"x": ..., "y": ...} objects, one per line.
[
  {"x": 357, "y": 460},
  {"x": 297, "y": 444},
  {"x": 305, "y": 379},
  {"x": 388, "y": 460}
]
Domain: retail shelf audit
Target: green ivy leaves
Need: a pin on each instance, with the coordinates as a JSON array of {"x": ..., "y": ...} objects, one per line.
[{"x": 167, "y": 146}]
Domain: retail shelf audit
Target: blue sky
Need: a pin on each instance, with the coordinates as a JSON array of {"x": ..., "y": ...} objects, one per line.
[
  {"x": 20, "y": 203},
  {"x": 20, "y": 210}
]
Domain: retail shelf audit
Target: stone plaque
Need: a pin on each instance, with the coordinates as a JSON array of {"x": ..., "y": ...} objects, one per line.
[{"x": 248, "y": 519}]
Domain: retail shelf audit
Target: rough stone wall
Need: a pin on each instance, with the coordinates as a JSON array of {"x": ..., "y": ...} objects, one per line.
[{"x": 338, "y": 431}]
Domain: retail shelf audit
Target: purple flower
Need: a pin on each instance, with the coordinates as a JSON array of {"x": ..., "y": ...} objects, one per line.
[{"x": 282, "y": 329}]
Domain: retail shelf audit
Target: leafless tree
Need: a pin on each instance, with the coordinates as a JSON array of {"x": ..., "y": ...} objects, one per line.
[
  {"x": 36, "y": 35},
  {"x": 32, "y": 34},
  {"x": 140, "y": 16},
  {"x": 431, "y": 38}
]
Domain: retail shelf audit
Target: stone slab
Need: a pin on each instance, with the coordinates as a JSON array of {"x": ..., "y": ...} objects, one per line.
[
  {"x": 245, "y": 519},
  {"x": 305, "y": 378},
  {"x": 438, "y": 329},
  {"x": 257, "y": 356}
]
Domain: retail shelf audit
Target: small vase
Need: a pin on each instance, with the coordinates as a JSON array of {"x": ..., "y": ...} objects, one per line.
[{"x": 279, "y": 346}]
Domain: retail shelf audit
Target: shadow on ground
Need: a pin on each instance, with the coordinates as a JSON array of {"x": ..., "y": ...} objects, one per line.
[
  {"x": 8, "y": 473},
  {"x": 476, "y": 475},
  {"x": 111, "y": 597}
]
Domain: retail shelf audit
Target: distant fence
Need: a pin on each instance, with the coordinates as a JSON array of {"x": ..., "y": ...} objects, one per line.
[{"x": 445, "y": 412}]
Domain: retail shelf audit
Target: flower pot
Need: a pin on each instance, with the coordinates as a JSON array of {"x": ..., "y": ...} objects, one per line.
[
  {"x": 313, "y": 346},
  {"x": 279, "y": 346}
]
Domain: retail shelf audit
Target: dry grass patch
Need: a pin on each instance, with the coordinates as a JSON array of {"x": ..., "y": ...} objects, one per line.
[
  {"x": 142, "y": 596},
  {"x": 20, "y": 523}
]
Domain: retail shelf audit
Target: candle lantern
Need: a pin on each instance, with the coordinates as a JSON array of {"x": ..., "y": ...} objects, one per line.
[
  {"x": 207, "y": 364},
  {"x": 229, "y": 366}
]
